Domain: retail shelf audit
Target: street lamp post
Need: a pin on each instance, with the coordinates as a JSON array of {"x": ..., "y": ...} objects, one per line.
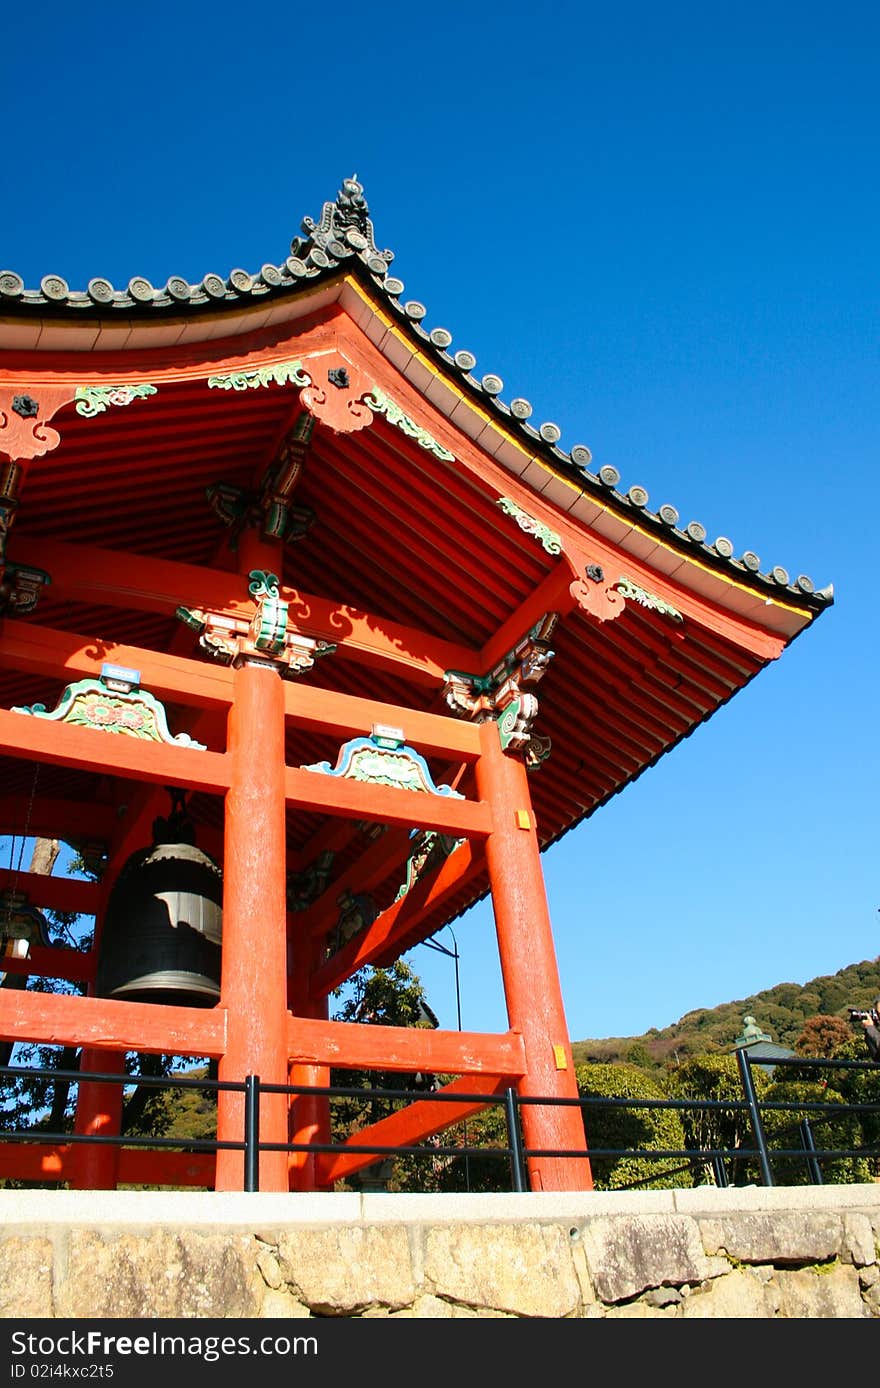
[{"x": 454, "y": 956}]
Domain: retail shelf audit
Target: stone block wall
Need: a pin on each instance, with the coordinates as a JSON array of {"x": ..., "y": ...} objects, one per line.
[{"x": 806, "y": 1252}]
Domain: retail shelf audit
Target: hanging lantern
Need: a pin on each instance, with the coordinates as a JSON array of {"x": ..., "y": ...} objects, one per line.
[
  {"x": 162, "y": 930},
  {"x": 21, "y": 925}
]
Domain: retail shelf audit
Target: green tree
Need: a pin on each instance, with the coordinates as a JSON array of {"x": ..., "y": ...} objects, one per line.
[
  {"x": 619, "y": 1127},
  {"x": 782, "y": 1129},
  {"x": 392, "y": 996},
  {"x": 639, "y": 1056},
  {"x": 487, "y": 1168},
  {"x": 725, "y": 1126}
]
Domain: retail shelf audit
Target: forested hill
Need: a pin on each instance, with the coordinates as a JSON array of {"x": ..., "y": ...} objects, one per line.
[{"x": 780, "y": 1011}]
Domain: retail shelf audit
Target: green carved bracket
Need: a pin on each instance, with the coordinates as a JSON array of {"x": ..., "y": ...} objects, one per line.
[
  {"x": 280, "y": 374},
  {"x": 88, "y": 704},
  {"x": 384, "y": 759},
  {"x": 547, "y": 538},
  {"x": 383, "y": 404},
  {"x": 634, "y": 593},
  {"x": 93, "y": 400}
]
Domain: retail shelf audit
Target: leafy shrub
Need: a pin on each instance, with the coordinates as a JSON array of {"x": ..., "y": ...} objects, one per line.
[
  {"x": 727, "y": 1127},
  {"x": 837, "y": 1130},
  {"x": 621, "y": 1128}
]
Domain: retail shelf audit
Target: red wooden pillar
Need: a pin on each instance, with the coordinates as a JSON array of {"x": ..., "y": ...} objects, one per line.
[
  {"x": 253, "y": 979},
  {"x": 98, "y": 1103},
  {"x": 309, "y": 1116},
  {"x": 529, "y": 969},
  {"x": 98, "y": 1113}
]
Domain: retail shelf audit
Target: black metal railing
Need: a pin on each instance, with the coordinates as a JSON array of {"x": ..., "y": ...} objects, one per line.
[{"x": 728, "y": 1165}]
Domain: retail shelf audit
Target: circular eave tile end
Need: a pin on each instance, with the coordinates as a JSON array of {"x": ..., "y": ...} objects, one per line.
[
  {"x": 53, "y": 287},
  {"x": 141, "y": 290},
  {"x": 11, "y": 285},
  {"x": 178, "y": 289},
  {"x": 214, "y": 287}
]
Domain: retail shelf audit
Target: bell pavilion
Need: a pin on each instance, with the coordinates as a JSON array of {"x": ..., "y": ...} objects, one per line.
[{"x": 309, "y": 641}]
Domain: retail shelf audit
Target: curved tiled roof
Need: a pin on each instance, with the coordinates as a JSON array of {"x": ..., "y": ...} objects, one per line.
[{"x": 343, "y": 241}]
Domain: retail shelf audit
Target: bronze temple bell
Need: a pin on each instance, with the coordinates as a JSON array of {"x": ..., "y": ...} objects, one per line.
[{"x": 163, "y": 925}]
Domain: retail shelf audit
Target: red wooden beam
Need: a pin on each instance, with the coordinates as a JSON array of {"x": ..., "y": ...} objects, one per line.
[
  {"x": 70, "y": 964},
  {"x": 551, "y": 595},
  {"x": 34, "y": 738},
  {"x": 35, "y": 1161},
  {"x": 381, "y": 939},
  {"x": 69, "y": 820},
  {"x": 432, "y": 734},
  {"x": 68, "y": 657},
  {"x": 41, "y": 1161},
  {"x": 332, "y": 836},
  {"x": 319, "y": 791},
  {"x": 86, "y": 573},
  {"x": 355, "y": 1046},
  {"x": 372, "y": 640},
  {"x": 410, "y": 1125},
  {"x": 53, "y": 893},
  {"x": 365, "y": 873},
  {"x": 141, "y": 1166},
  {"x": 108, "y": 1024}
]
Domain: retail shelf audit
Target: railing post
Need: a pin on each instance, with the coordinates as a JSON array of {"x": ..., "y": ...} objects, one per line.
[
  {"x": 252, "y": 1132},
  {"x": 814, "y": 1170},
  {"x": 720, "y": 1172},
  {"x": 745, "y": 1074},
  {"x": 517, "y": 1155}
]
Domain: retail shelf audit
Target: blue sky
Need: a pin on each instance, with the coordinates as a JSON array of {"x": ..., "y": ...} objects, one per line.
[{"x": 660, "y": 225}]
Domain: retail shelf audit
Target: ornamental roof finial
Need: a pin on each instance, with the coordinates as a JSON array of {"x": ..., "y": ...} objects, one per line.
[{"x": 347, "y": 219}]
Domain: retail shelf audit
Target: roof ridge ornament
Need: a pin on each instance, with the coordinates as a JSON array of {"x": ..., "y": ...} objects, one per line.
[{"x": 346, "y": 221}]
